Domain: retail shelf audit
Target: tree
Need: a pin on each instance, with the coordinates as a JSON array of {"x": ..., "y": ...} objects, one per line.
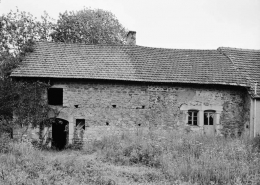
[
  {"x": 90, "y": 27},
  {"x": 18, "y": 33}
]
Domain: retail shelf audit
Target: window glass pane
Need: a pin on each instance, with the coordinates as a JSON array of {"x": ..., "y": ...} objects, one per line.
[
  {"x": 80, "y": 123},
  {"x": 211, "y": 120},
  {"x": 205, "y": 118},
  {"x": 189, "y": 116},
  {"x": 192, "y": 117}
]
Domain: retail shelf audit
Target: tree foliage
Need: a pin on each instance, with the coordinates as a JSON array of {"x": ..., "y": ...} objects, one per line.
[
  {"x": 18, "y": 33},
  {"x": 22, "y": 104},
  {"x": 89, "y": 26}
]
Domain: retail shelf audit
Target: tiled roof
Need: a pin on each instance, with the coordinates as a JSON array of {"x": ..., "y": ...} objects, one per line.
[
  {"x": 247, "y": 62},
  {"x": 130, "y": 63}
]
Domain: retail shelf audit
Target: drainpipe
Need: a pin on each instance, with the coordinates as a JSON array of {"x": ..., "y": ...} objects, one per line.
[{"x": 255, "y": 111}]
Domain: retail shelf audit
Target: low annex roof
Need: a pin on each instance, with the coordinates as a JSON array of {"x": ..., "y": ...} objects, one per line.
[
  {"x": 247, "y": 62},
  {"x": 129, "y": 63}
]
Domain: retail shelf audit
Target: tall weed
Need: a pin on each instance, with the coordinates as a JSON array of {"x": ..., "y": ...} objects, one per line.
[
  {"x": 190, "y": 157},
  {"x": 26, "y": 165},
  {"x": 5, "y": 142}
]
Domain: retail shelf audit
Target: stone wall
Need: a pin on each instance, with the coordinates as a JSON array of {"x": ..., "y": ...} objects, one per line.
[
  {"x": 247, "y": 116},
  {"x": 105, "y": 105}
]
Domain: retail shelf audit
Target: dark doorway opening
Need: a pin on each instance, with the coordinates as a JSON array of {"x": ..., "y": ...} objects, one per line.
[{"x": 59, "y": 133}]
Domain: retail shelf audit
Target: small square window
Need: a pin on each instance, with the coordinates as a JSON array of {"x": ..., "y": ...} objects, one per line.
[
  {"x": 80, "y": 123},
  {"x": 55, "y": 96}
]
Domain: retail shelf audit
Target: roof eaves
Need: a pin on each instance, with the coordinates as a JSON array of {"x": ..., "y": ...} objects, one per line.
[{"x": 136, "y": 80}]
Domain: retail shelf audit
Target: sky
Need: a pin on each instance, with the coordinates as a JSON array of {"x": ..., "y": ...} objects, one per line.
[{"x": 180, "y": 24}]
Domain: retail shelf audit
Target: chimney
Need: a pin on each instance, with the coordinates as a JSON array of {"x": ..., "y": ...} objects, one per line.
[{"x": 131, "y": 38}]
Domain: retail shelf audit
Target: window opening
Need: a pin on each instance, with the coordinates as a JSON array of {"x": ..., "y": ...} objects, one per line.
[
  {"x": 193, "y": 117},
  {"x": 80, "y": 123},
  {"x": 209, "y": 117},
  {"x": 107, "y": 123},
  {"x": 55, "y": 96},
  {"x": 114, "y": 106}
]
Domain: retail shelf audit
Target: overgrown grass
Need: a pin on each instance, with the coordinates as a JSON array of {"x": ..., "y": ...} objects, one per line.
[
  {"x": 4, "y": 142},
  {"x": 185, "y": 157},
  {"x": 164, "y": 157},
  {"x": 26, "y": 165}
]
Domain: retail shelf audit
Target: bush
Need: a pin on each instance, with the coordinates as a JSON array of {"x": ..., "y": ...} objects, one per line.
[
  {"x": 145, "y": 153},
  {"x": 5, "y": 141},
  {"x": 127, "y": 149}
]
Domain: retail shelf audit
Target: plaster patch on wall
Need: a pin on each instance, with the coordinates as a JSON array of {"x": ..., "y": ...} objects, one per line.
[{"x": 186, "y": 96}]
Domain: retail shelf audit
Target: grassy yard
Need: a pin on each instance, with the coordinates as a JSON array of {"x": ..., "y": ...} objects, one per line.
[{"x": 154, "y": 157}]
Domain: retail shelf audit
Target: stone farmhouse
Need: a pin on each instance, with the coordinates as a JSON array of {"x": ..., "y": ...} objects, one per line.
[{"x": 100, "y": 88}]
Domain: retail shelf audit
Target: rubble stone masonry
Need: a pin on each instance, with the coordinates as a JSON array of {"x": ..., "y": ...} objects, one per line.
[{"x": 115, "y": 106}]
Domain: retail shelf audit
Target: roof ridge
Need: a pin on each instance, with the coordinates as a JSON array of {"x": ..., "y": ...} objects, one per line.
[
  {"x": 124, "y": 45},
  {"x": 239, "y": 49}
]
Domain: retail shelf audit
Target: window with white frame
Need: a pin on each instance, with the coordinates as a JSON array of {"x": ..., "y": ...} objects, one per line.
[
  {"x": 193, "y": 117},
  {"x": 209, "y": 117}
]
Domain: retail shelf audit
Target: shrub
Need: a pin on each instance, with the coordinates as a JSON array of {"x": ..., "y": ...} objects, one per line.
[
  {"x": 38, "y": 144},
  {"x": 128, "y": 149},
  {"x": 5, "y": 141}
]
